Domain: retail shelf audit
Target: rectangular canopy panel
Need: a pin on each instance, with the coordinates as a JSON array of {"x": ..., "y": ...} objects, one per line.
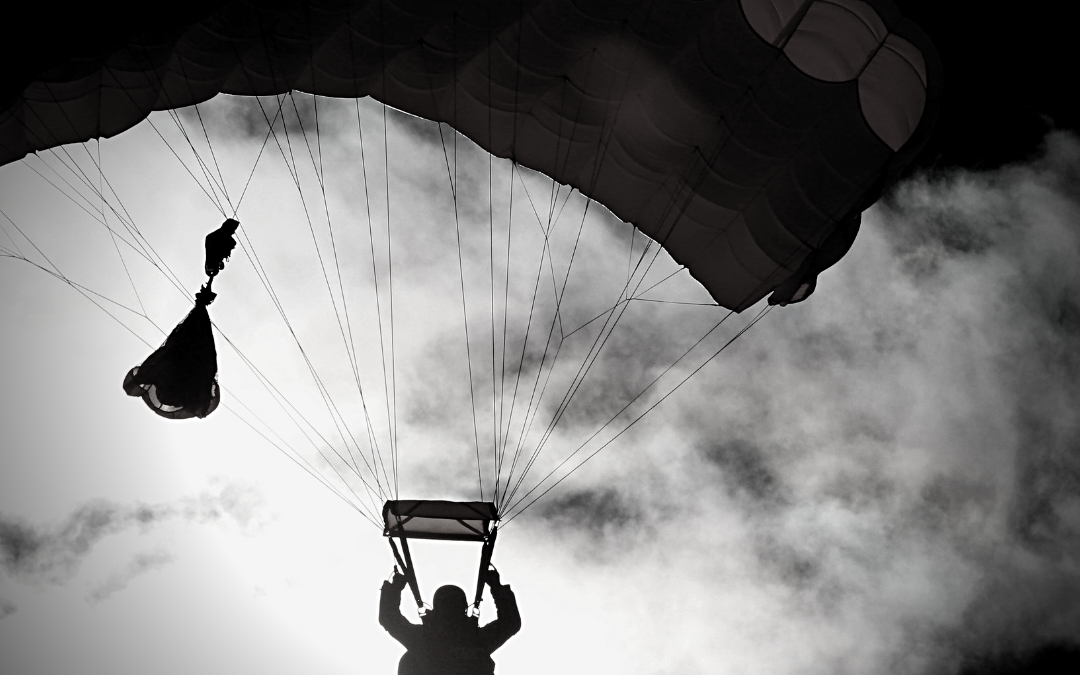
[{"x": 435, "y": 519}]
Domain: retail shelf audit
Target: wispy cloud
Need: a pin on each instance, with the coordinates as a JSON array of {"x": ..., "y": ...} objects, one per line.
[
  {"x": 898, "y": 459},
  {"x": 884, "y": 479},
  {"x": 137, "y": 566},
  {"x": 53, "y": 554}
]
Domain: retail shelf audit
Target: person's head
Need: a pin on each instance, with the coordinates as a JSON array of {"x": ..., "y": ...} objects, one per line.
[{"x": 450, "y": 601}]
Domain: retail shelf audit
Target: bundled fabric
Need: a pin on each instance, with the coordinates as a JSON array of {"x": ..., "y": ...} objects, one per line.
[{"x": 179, "y": 380}]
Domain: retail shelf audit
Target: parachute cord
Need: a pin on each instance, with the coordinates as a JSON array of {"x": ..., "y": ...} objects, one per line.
[
  {"x": 590, "y": 359},
  {"x": 322, "y": 481},
  {"x": 528, "y": 326},
  {"x": 319, "y": 172},
  {"x": 207, "y": 174},
  {"x": 491, "y": 280},
  {"x": 390, "y": 391},
  {"x": 602, "y": 337},
  {"x": 727, "y": 344},
  {"x": 85, "y": 178},
  {"x": 636, "y": 298},
  {"x": 87, "y": 293},
  {"x": 143, "y": 249},
  {"x": 112, "y": 235},
  {"x": 502, "y": 436},
  {"x": 461, "y": 269},
  {"x": 496, "y": 385},
  {"x": 509, "y": 228},
  {"x": 530, "y": 414},
  {"x": 202, "y": 164},
  {"x": 270, "y": 128},
  {"x": 324, "y": 393},
  {"x": 586, "y": 363},
  {"x": 606, "y": 331},
  {"x": 545, "y": 252},
  {"x": 339, "y": 419},
  {"x": 260, "y": 271},
  {"x": 93, "y": 297},
  {"x": 374, "y": 272},
  {"x": 77, "y": 171},
  {"x": 161, "y": 266},
  {"x": 295, "y": 171},
  {"x": 159, "y": 87},
  {"x": 629, "y": 403},
  {"x": 390, "y": 287},
  {"x": 213, "y": 156},
  {"x": 264, "y": 278},
  {"x": 282, "y": 402},
  {"x": 464, "y": 308},
  {"x": 206, "y": 192},
  {"x": 378, "y": 295},
  {"x": 93, "y": 214},
  {"x": 57, "y": 274},
  {"x": 16, "y": 252},
  {"x": 350, "y": 342}
]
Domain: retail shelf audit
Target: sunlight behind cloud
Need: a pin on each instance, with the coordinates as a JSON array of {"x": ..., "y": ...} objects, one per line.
[{"x": 880, "y": 480}]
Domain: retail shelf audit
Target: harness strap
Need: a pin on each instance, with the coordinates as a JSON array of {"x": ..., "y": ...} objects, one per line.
[
  {"x": 407, "y": 568},
  {"x": 485, "y": 560}
]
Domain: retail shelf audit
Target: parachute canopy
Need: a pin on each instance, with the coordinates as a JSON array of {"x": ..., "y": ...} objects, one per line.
[
  {"x": 434, "y": 519},
  {"x": 745, "y": 136}
]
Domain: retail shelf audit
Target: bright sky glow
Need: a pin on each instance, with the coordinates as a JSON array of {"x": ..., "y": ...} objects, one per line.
[{"x": 857, "y": 485}]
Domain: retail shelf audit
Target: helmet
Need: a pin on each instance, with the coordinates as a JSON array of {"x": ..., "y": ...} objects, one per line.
[{"x": 450, "y": 601}]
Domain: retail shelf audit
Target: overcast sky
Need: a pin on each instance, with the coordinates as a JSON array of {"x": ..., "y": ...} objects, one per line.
[{"x": 883, "y": 479}]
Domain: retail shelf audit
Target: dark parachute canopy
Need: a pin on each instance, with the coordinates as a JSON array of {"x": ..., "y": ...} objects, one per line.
[{"x": 745, "y": 136}]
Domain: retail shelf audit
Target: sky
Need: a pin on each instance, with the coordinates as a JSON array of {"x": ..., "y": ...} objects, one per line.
[{"x": 883, "y": 479}]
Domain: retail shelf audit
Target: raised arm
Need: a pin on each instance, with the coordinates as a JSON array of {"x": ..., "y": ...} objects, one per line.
[
  {"x": 390, "y": 616},
  {"x": 507, "y": 621}
]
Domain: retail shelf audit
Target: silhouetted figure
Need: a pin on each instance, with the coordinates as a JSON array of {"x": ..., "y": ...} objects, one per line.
[{"x": 449, "y": 642}]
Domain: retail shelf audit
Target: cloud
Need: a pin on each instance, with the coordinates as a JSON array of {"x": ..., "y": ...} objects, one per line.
[
  {"x": 137, "y": 566},
  {"x": 602, "y": 522},
  {"x": 53, "y": 554},
  {"x": 892, "y": 467},
  {"x": 884, "y": 479},
  {"x": 7, "y": 608}
]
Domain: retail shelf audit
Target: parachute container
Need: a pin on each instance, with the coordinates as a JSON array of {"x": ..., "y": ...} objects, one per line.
[{"x": 179, "y": 380}]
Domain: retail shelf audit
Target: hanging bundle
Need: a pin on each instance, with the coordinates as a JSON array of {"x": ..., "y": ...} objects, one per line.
[{"x": 179, "y": 380}]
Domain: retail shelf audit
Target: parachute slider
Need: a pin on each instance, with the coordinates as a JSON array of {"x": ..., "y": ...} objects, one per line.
[
  {"x": 442, "y": 520},
  {"x": 437, "y": 519}
]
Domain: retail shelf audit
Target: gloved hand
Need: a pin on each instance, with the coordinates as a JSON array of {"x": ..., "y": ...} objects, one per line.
[
  {"x": 397, "y": 580},
  {"x": 491, "y": 576}
]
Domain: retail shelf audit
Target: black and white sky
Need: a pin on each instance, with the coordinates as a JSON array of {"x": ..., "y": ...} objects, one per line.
[{"x": 884, "y": 479}]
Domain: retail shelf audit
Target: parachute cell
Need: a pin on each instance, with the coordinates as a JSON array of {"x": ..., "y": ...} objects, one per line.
[{"x": 739, "y": 135}]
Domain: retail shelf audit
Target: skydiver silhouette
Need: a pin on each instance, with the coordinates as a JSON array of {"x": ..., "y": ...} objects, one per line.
[{"x": 449, "y": 642}]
